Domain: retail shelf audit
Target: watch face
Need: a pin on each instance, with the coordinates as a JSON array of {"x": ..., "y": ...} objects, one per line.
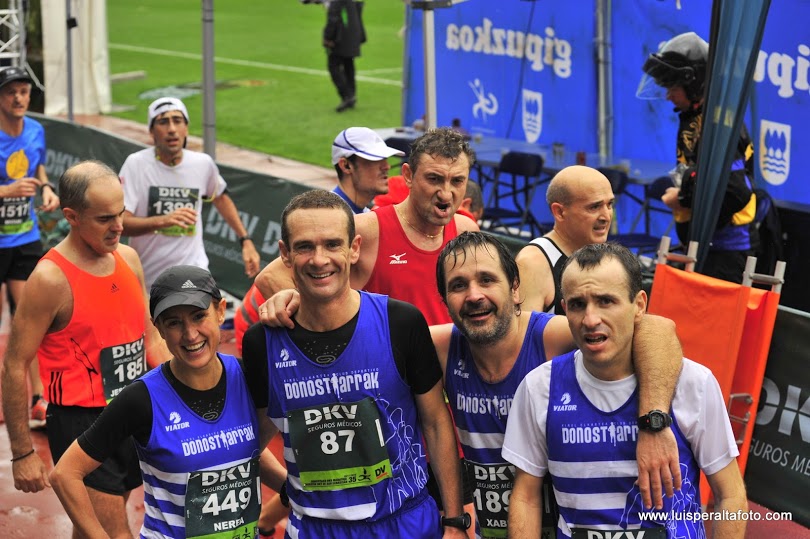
[{"x": 656, "y": 422}]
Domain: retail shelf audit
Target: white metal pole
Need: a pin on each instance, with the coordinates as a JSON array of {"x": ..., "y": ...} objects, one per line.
[
  {"x": 429, "y": 33},
  {"x": 209, "y": 80},
  {"x": 69, "y": 25}
]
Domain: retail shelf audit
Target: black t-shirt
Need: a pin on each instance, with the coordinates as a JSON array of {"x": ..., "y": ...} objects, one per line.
[
  {"x": 130, "y": 413},
  {"x": 413, "y": 350}
]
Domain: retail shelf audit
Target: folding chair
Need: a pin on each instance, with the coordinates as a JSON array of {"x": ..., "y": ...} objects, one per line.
[
  {"x": 640, "y": 242},
  {"x": 517, "y": 178}
]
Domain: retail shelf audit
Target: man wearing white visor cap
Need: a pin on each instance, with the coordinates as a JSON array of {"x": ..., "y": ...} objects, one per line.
[
  {"x": 164, "y": 190},
  {"x": 360, "y": 157}
]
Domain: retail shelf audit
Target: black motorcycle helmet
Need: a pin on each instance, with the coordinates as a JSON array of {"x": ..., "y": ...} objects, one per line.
[{"x": 681, "y": 61}]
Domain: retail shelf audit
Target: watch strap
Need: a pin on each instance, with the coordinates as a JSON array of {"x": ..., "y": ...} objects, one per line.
[{"x": 461, "y": 522}]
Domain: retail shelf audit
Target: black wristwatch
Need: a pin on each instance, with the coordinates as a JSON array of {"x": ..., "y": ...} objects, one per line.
[
  {"x": 283, "y": 497},
  {"x": 655, "y": 421},
  {"x": 461, "y": 522},
  {"x": 243, "y": 239}
]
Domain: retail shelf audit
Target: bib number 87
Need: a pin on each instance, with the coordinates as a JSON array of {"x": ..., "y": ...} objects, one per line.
[
  {"x": 330, "y": 445},
  {"x": 230, "y": 503}
]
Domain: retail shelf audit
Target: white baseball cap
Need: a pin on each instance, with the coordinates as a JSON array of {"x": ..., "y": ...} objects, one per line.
[
  {"x": 165, "y": 104},
  {"x": 361, "y": 141}
]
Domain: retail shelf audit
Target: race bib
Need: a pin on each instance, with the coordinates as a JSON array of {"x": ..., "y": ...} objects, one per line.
[
  {"x": 15, "y": 215},
  {"x": 120, "y": 365},
  {"x": 339, "y": 446},
  {"x": 493, "y": 486},
  {"x": 165, "y": 200},
  {"x": 645, "y": 533},
  {"x": 224, "y": 503}
]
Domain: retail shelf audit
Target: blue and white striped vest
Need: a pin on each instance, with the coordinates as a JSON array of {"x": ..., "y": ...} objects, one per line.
[
  {"x": 592, "y": 462},
  {"x": 325, "y": 400},
  {"x": 480, "y": 410},
  {"x": 182, "y": 442}
]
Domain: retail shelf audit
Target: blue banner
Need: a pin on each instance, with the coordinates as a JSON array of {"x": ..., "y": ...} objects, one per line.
[
  {"x": 778, "y": 118},
  {"x": 780, "y": 103},
  {"x": 518, "y": 70},
  {"x": 643, "y": 128},
  {"x": 527, "y": 71}
]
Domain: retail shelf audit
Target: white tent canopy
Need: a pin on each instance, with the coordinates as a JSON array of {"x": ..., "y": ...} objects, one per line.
[{"x": 90, "y": 67}]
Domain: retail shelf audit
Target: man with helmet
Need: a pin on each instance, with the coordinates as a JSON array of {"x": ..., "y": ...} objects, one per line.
[{"x": 679, "y": 68}]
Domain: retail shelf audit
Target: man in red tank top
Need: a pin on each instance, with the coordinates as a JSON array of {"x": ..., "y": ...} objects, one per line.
[
  {"x": 83, "y": 312},
  {"x": 401, "y": 243}
]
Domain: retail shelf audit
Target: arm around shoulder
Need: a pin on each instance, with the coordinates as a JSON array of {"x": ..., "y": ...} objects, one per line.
[
  {"x": 440, "y": 334},
  {"x": 275, "y": 276},
  {"x": 658, "y": 358}
]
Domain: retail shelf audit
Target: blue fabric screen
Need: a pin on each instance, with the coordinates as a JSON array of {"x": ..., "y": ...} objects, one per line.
[{"x": 778, "y": 117}]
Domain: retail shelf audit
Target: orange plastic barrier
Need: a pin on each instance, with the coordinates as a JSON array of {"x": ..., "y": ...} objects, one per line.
[
  {"x": 726, "y": 327},
  {"x": 709, "y": 316},
  {"x": 756, "y": 341}
]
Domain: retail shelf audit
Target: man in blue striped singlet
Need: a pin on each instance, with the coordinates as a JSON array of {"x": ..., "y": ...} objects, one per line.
[
  {"x": 352, "y": 387},
  {"x": 494, "y": 344},
  {"x": 575, "y": 419}
]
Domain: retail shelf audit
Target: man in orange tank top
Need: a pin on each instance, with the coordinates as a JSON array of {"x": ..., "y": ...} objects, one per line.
[{"x": 83, "y": 313}]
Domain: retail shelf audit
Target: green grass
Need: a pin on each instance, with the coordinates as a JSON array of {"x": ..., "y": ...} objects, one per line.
[{"x": 258, "y": 106}]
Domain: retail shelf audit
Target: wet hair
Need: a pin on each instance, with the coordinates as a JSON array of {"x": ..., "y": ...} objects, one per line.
[
  {"x": 440, "y": 142},
  {"x": 75, "y": 181},
  {"x": 592, "y": 255},
  {"x": 317, "y": 199},
  {"x": 467, "y": 242}
]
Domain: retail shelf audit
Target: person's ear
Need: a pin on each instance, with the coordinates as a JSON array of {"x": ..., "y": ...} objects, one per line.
[
  {"x": 159, "y": 328},
  {"x": 641, "y": 305},
  {"x": 355, "y": 249},
  {"x": 71, "y": 216},
  {"x": 557, "y": 210},
  {"x": 285, "y": 253},
  {"x": 407, "y": 175}
]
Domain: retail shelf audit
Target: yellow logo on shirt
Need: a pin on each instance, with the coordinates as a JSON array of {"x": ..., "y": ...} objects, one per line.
[{"x": 17, "y": 165}]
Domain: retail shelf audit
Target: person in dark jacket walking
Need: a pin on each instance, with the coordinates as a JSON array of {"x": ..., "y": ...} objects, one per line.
[{"x": 342, "y": 37}]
